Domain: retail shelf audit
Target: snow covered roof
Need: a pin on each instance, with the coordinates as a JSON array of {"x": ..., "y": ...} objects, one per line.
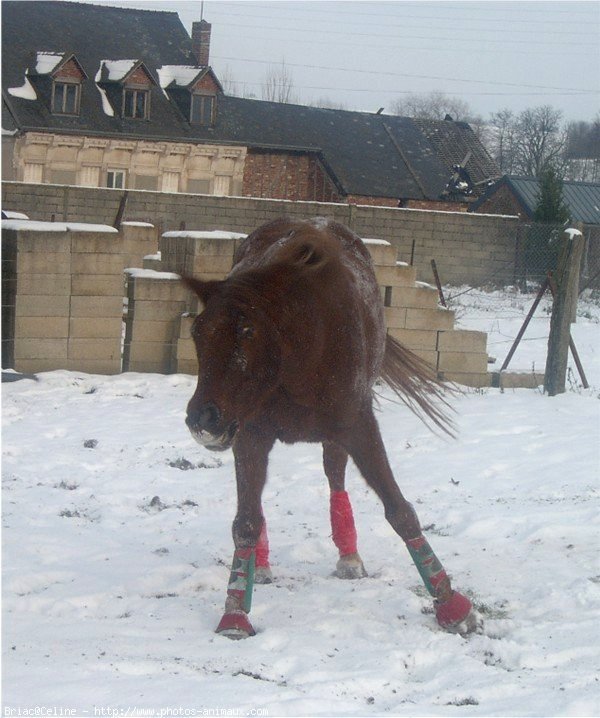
[
  {"x": 116, "y": 70},
  {"x": 178, "y": 75},
  {"x": 45, "y": 62},
  {"x": 37, "y": 226},
  {"x": 212, "y": 234}
]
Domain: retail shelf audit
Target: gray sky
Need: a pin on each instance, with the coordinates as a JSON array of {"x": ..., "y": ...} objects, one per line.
[{"x": 493, "y": 55}]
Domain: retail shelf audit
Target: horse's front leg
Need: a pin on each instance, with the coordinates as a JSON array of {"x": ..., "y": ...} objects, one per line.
[
  {"x": 364, "y": 443},
  {"x": 343, "y": 529},
  {"x": 251, "y": 454}
]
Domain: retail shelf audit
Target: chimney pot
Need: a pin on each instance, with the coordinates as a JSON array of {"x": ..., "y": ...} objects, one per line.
[{"x": 201, "y": 42}]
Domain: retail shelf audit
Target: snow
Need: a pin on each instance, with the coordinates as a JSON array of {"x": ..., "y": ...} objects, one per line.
[
  {"x": 8, "y": 214},
  {"x": 180, "y": 75},
  {"x": 117, "y": 70},
  {"x": 38, "y": 226},
  {"x": 572, "y": 232},
  {"x": 26, "y": 91},
  {"x": 47, "y": 61},
  {"x": 107, "y": 108},
  {"x": 133, "y": 223},
  {"x": 138, "y": 273},
  {"x": 380, "y": 242},
  {"x": 211, "y": 234},
  {"x": 111, "y": 595}
]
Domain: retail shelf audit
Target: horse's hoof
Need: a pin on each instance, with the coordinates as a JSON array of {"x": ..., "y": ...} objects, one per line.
[
  {"x": 456, "y": 615},
  {"x": 350, "y": 567},
  {"x": 235, "y": 625},
  {"x": 263, "y": 574}
]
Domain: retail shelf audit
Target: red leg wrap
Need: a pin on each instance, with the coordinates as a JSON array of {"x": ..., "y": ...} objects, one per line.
[
  {"x": 236, "y": 624},
  {"x": 453, "y": 611},
  {"x": 262, "y": 548},
  {"x": 342, "y": 523}
]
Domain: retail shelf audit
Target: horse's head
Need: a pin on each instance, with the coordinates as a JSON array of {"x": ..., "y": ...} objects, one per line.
[{"x": 238, "y": 352}]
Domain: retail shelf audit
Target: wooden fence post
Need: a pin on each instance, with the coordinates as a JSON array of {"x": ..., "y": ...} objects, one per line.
[{"x": 563, "y": 311}]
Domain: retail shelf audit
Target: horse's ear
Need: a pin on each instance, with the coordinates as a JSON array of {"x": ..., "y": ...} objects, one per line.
[
  {"x": 203, "y": 290},
  {"x": 304, "y": 253}
]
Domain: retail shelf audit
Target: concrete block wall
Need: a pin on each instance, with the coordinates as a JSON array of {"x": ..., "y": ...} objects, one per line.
[
  {"x": 414, "y": 318},
  {"x": 63, "y": 289},
  {"x": 469, "y": 248},
  {"x": 155, "y": 303},
  {"x": 67, "y": 299}
]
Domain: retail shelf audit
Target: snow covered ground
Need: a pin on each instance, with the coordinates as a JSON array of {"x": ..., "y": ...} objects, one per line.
[{"x": 116, "y": 533}]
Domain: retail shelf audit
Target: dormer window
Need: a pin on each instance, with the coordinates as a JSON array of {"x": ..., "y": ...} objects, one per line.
[
  {"x": 202, "y": 109},
  {"x": 127, "y": 85},
  {"x": 65, "y": 98},
  {"x": 136, "y": 103}
]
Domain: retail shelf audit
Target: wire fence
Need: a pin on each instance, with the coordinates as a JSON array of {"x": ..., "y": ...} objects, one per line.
[{"x": 537, "y": 249}]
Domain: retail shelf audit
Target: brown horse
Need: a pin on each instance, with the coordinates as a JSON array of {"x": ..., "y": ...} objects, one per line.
[{"x": 290, "y": 345}]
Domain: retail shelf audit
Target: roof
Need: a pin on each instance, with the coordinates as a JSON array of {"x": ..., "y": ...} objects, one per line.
[
  {"x": 581, "y": 198},
  {"x": 367, "y": 154}
]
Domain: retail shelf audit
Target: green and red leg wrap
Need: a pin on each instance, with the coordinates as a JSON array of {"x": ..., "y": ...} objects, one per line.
[
  {"x": 235, "y": 621},
  {"x": 451, "y": 607}
]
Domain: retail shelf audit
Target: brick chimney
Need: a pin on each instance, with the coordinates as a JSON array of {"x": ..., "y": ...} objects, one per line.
[{"x": 201, "y": 41}]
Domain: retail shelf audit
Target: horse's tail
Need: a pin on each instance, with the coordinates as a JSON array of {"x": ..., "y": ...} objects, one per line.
[{"x": 417, "y": 385}]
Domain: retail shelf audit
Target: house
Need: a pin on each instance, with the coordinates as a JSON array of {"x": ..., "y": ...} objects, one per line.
[
  {"x": 519, "y": 196},
  {"x": 124, "y": 98}
]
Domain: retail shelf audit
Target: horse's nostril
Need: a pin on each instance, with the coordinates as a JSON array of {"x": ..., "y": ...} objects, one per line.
[{"x": 206, "y": 417}]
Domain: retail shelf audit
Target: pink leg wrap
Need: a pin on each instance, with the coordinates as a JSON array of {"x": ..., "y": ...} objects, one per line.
[
  {"x": 342, "y": 523},
  {"x": 262, "y": 548}
]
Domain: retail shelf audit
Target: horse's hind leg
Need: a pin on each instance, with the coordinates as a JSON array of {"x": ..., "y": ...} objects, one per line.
[
  {"x": 364, "y": 443},
  {"x": 343, "y": 529},
  {"x": 262, "y": 570}
]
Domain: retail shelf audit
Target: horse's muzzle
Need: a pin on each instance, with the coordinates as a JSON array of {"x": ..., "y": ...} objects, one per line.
[{"x": 215, "y": 442}]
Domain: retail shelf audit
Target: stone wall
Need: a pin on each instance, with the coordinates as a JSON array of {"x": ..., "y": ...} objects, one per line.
[{"x": 468, "y": 248}]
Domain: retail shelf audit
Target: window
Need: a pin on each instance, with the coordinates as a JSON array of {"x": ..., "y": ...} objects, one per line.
[
  {"x": 89, "y": 176},
  {"x": 115, "y": 179},
  {"x": 170, "y": 182},
  {"x": 135, "y": 104},
  {"x": 33, "y": 172},
  {"x": 222, "y": 185},
  {"x": 202, "y": 110},
  {"x": 67, "y": 177},
  {"x": 65, "y": 98},
  {"x": 198, "y": 186},
  {"x": 148, "y": 182}
]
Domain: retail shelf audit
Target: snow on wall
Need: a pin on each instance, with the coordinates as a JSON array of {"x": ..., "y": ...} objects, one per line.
[{"x": 47, "y": 61}]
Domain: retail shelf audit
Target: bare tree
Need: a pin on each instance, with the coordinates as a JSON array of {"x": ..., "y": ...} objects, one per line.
[
  {"x": 540, "y": 140},
  {"x": 432, "y": 106},
  {"x": 228, "y": 82},
  {"x": 278, "y": 83},
  {"x": 501, "y": 140}
]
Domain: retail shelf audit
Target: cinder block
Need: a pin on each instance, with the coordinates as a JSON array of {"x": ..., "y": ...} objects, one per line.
[
  {"x": 185, "y": 366},
  {"x": 98, "y": 285},
  {"x": 41, "y": 348},
  {"x": 152, "y": 261},
  {"x": 95, "y": 349},
  {"x": 95, "y": 327},
  {"x": 94, "y": 366},
  {"x": 185, "y": 325},
  {"x": 212, "y": 247},
  {"x": 473, "y": 379},
  {"x": 415, "y": 338},
  {"x": 43, "y": 262},
  {"x": 414, "y": 297},
  {"x": 152, "y": 331},
  {"x": 96, "y": 243},
  {"x": 32, "y": 305},
  {"x": 430, "y": 319},
  {"x": 157, "y": 289},
  {"x": 463, "y": 362},
  {"x": 157, "y": 311},
  {"x": 44, "y": 242},
  {"x": 48, "y": 284},
  {"x": 211, "y": 264},
  {"x": 33, "y": 366},
  {"x": 96, "y": 306},
  {"x": 398, "y": 276},
  {"x": 42, "y": 327},
  {"x": 208, "y": 276},
  {"x": 462, "y": 340},
  {"x": 431, "y": 357},
  {"x": 150, "y": 367},
  {"x": 84, "y": 263},
  {"x": 516, "y": 380},
  {"x": 382, "y": 253},
  {"x": 395, "y": 317},
  {"x": 186, "y": 349},
  {"x": 150, "y": 352}
]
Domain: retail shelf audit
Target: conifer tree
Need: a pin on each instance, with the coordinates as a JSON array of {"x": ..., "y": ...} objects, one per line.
[{"x": 551, "y": 208}]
